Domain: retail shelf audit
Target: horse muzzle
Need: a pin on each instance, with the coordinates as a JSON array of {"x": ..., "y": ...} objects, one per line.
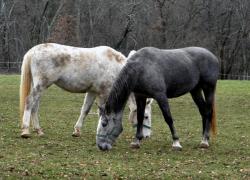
[
  {"x": 104, "y": 146},
  {"x": 103, "y": 143}
]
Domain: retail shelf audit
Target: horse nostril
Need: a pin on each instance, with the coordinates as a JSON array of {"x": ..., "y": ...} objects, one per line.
[
  {"x": 104, "y": 146},
  {"x": 108, "y": 146},
  {"x": 146, "y": 117},
  {"x": 100, "y": 146}
]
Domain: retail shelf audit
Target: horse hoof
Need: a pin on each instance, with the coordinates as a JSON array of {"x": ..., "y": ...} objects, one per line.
[
  {"x": 176, "y": 146},
  {"x": 135, "y": 145},
  {"x": 204, "y": 145},
  {"x": 25, "y": 133},
  {"x": 39, "y": 132},
  {"x": 76, "y": 133}
]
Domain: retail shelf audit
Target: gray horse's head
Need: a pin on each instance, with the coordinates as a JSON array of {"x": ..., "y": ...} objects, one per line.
[{"x": 108, "y": 129}]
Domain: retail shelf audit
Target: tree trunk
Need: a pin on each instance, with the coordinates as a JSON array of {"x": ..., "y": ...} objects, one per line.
[{"x": 64, "y": 26}]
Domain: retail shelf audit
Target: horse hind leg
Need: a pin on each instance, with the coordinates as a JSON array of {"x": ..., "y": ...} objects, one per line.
[
  {"x": 26, "y": 117},
  {"x": 88, "y": 102},
  {"x": 201, "y": 104},
  {"x": 32, "y": 106},
  {"x": 209, "y": 93},
  {"x": 34, "y": 117},
  {"x": 30, "y": 111}
]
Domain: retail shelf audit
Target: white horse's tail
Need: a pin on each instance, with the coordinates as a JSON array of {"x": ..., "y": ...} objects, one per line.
[{"x": 25, "y": 84}]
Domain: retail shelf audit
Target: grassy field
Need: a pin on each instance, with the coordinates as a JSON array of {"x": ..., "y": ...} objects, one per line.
[{"x": 58, "y": 155}]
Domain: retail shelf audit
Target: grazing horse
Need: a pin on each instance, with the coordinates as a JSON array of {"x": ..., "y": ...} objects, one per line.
[
  {"x": 161, "y": 74},
  {"x": 77, "y": 70}
]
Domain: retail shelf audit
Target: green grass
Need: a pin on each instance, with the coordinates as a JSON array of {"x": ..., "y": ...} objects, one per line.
[{"x": 58, "y": 155}]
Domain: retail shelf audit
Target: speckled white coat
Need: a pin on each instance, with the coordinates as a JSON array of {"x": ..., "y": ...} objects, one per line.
[{"x": 77, "y": 70}]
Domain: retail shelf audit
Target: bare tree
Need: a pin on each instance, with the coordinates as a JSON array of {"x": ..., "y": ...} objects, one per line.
[{"x": 221, "y": 26}]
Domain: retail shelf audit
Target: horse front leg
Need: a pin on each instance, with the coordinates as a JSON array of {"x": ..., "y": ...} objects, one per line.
[
  {"x": 162, "y": 101},
  {"x": 88, "y": 102},
  {"x": 140, "y": 103}
]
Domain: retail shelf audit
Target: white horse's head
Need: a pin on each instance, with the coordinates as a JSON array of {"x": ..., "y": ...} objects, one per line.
[
  {"x": 147, "y": 116},
  {"x": 108, "y": 129}
]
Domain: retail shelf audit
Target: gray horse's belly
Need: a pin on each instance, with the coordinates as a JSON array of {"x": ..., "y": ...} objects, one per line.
[
  {"x": 182, "y": 85},
  {"x": 177, "y": 91}
]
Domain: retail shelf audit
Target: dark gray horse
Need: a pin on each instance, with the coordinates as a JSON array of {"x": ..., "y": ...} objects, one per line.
[{"x": 161, "y": 74}]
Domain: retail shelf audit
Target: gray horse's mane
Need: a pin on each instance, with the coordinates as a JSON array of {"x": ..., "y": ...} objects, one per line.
[{"x": 121, "y": 89}]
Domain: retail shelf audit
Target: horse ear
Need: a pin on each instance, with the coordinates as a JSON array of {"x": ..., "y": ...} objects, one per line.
[{"x": 131, "y": 53}]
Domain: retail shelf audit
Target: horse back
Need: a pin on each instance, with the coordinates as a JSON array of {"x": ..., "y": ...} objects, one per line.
[
  {"x": 75, "y": 69},
  {"x": 175, "y": 71}
]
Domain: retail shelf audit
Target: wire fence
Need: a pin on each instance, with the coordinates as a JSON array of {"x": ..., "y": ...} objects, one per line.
[
  {"x": 15, "y": 67},
  {"x": 235, "y": 76}
]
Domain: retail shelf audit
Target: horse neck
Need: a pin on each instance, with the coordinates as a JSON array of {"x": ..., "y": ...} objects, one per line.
[{"x": 121, "y": 89}]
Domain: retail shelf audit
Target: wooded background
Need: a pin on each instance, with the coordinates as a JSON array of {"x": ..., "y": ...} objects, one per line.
[{"x": 222, "y": 26}]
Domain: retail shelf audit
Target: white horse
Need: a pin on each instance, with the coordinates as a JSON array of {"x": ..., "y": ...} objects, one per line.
[{"x": 77, "y": 70}]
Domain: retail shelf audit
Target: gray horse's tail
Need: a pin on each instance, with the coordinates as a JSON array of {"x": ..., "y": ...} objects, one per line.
[
  {"x": 213, "y": 120},
  {"x": 25, "y": 84}
]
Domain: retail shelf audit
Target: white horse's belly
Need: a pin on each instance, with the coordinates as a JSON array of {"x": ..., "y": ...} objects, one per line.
[
  {"x": 73, "y": 86},
  {"x": 75, "y": 82}
]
